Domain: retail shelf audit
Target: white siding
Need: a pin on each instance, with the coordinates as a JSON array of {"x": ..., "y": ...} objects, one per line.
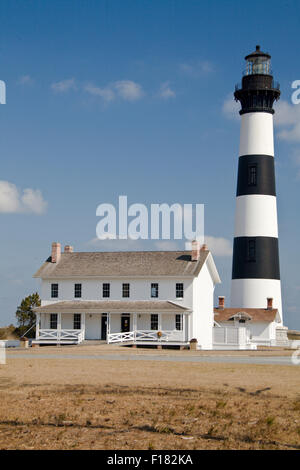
[
  {"x": 203, "y": 318},
  {"x": 139, "y": 290}
]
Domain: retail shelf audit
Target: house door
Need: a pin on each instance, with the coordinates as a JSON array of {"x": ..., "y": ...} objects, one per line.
[
  {"x": 125, "y": 323},
  {"x": 104, "y": 326}
]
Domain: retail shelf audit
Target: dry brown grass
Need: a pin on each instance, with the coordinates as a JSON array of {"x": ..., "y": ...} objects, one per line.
[{"x": 102, "y": 404}]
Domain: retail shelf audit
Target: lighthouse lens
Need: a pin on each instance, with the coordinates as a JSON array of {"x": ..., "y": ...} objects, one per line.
[{"x": 258, "y": 65}]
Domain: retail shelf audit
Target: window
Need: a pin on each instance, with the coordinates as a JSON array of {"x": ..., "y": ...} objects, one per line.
[
  {"x": 77, "y": 321},
  {"x": 126, "y": 290},
  {"x": 77, "y": 290},
  {"x": 154, "y": 321},
  {"x": 105, "y": 290},
  {"x": 53, "y": 321},
  {"x": 252, "y": 250},
  {"x": 154, "y": 290},
  {"x": 178, "y": 322},
  {"x": 179, "y": 290},
  {"x": 252, "y": 175},
  {"x": 54, "y": 290}
]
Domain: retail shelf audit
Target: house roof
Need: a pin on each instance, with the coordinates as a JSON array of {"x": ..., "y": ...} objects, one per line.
[
  {"x": 105, "y": 306},
  {"x": 256, "y": 315},
  {"x": 130, "y": 263}
]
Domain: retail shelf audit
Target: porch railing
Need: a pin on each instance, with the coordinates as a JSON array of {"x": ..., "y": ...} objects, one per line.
[
  {"x": 146, "y": 335},
  {"x": 61, "y": 335}
]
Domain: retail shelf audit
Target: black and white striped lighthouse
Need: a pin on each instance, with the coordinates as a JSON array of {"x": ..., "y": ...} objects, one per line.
[{"x": 255, "y": 267}]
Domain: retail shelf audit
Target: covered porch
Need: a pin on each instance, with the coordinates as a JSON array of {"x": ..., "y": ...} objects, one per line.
[{"x": 130, "y": 322}]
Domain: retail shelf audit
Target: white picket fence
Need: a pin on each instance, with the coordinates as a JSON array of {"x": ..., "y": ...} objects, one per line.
[
  {"x": 146, "y": 335},
  {"x": 237, "y": 337}
]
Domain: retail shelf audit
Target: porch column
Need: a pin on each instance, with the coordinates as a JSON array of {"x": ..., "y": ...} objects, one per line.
[
  {"x": 58, "y": 326},
  {"x": 134, "y": 324},
  {"x": 83, "y": 324},
  {"x": 184, "y": 327},
  {"x": 108, "y": 324},
  {"x": 37, "y": 325},
  {"x": 159, "y": 322}
]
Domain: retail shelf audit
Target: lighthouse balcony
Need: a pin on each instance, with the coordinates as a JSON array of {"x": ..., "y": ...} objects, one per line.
[{"x": 258, "y": 84}]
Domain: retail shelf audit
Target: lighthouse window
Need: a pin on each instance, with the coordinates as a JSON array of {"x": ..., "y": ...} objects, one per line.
[
  {"x": 251, "y": 250},
  {"x": 252, "y": 175}
]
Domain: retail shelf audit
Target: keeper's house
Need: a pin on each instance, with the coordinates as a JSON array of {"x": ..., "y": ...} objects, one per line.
[{"x": 145, "y": 297}]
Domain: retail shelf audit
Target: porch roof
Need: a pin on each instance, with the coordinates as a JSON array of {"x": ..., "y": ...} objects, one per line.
[{"x": 111, "y": 306}]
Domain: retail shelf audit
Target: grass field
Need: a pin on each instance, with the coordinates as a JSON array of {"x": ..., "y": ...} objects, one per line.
[{"x": 56, "y": 403}]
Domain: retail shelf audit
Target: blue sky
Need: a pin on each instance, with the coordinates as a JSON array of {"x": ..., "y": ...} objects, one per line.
[{"x": 134, "y": 97}]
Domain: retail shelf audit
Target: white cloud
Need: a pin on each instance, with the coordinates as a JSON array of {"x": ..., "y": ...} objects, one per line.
[
  {"x": 166, "y": 92},
  {"x": 32, "y": 201},
  {"x": 25, "y": 80},
  {"x": 230, "y": 107},
  {"x": 106, "y": 93},
  {"x": 12, "y": 201},
  {"x": 219, "y": 246},
  {"x": 129, "y": 90},
  {"x": 64, "y": 85},
  {"x": 287, "y": 119},
  {"x": 124, "y": 89},
  {"x": 197, "y": 69}
]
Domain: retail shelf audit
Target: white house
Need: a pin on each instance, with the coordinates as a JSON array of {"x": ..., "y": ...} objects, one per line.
[
  {"x": 261, "y": 326},
  {"x": 140, "y": 297}
]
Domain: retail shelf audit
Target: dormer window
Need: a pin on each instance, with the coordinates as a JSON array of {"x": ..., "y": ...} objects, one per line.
[{"x": 241, "y": 317}]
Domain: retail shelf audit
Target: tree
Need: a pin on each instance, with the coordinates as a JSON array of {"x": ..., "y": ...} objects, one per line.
[{"x": 25, "y": 315}]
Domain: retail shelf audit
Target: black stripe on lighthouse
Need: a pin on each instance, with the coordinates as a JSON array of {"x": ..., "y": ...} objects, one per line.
[
  {"x": 255, "y": 258},
  {"x": 256, "y": 175}
]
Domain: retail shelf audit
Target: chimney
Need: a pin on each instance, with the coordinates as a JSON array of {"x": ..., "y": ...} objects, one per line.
[
  {"x": 56, "y": 252},
  {"x": 269, "y": 303},
  {"x": 204, "y": 247},
  {"x": 195, "y": 250},
  {"x": 68, "y": 249},
  {"x": 221, "y": 301}
]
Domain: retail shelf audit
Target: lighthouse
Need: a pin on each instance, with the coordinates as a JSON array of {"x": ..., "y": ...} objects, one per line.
[{"x": 255, "y": 266}]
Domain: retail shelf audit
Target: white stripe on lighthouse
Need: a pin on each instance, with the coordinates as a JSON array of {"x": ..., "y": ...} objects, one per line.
[
  {"x": 253, "y": 293},
  {"x": 256, "y": 137},
  {"x": 256, "y": 216}
]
